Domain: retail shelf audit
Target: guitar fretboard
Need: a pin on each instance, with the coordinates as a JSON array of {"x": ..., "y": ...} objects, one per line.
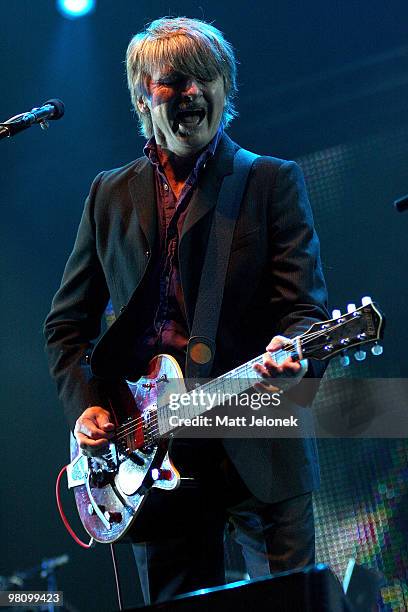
[{"x": 216, "y": 392}]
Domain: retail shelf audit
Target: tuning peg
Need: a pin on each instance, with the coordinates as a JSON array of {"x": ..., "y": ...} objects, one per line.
[
  {"x": 366, "y": 300},
  {"x": 336, "y": 313},
  {"x": 351, "y": 307},
  {"x": 344, "y": 360},
  {"x": 377, "y": 349},
  {"x": 360, "y": 355}
]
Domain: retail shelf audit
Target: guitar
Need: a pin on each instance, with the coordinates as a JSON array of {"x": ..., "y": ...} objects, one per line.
[{"x": 110, "y": 490}]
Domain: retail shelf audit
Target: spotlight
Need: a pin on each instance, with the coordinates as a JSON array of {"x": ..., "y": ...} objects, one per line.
[{"x": 72, "y": 9}]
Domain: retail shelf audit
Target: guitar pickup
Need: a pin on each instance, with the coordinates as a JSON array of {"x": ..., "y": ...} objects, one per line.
[{"x": 136, "y": 458}]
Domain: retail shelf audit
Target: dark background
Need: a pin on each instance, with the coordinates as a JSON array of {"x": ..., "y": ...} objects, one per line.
[{"x": 325, "y": 83}]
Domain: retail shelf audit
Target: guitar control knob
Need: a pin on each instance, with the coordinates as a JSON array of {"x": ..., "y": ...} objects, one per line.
[
  {"x": 377, "y": 349},
  {"x": 360, "y": 355},
  {"x": 344, "y": 360},
  {"x": 161, "y": 474},
  {"x": 113, "y": 517}
]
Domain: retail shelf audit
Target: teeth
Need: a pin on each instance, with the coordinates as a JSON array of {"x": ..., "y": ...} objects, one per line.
[{"x": 191, "y": 112}]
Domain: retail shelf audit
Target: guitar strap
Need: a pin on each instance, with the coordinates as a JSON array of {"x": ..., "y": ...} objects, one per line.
[{"x": 201, "y": 345}]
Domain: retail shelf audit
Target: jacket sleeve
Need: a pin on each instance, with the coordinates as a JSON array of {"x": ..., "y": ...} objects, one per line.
[
  {"x": 298, "y": 290},
  {"x": 74, "y": 321}
]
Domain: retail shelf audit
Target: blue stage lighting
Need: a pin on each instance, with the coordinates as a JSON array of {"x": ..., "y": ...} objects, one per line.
[{"x": 72, "y": 9}]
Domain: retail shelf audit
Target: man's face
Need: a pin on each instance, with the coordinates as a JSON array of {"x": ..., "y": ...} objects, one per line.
[{"x": 185, "y": 112}]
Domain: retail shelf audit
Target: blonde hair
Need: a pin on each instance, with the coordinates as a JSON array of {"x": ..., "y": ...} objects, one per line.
[{"x": 189, "y": 46}]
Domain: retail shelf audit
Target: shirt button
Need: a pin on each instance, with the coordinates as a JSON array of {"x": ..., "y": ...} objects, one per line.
[
  {"x": 166, "y": 187},
  {"x": 147, "y": 253}
]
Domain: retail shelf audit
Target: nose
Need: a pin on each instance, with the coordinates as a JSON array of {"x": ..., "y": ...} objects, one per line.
[{"x": 192, "y": 88}]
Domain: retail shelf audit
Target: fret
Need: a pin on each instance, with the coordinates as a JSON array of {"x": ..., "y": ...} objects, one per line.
[{"x": 163, "y": 413}]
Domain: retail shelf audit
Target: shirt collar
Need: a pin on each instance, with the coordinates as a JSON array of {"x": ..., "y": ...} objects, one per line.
[{"x": 150, "y": 150}]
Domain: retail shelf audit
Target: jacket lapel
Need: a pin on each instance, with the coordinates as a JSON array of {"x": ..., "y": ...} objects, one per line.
[
  {"x": 142, "y": 192},
  {"x": 206, "y": 193}
]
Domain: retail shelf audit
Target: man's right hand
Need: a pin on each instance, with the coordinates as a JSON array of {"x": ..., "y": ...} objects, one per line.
[{"x": 93, "y": 430}]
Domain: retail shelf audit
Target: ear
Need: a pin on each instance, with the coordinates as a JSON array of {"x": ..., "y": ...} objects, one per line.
[{"x": 142, "y": 105}]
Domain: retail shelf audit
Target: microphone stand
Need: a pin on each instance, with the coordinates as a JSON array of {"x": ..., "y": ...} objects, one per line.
[
  {"x": 48, "y": 572},
  {"x": 13, "y": 126},
  {"x": 47, "y": 569}
]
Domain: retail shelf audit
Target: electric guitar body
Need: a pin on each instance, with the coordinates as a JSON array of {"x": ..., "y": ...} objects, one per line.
[{"x": 109, "y": 491}]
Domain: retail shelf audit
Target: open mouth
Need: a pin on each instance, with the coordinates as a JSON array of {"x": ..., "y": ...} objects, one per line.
[{"x": 189, "y": 118}]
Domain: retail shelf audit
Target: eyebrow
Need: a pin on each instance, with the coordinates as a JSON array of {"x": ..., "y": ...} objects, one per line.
[{"x": 170, "y": 75}]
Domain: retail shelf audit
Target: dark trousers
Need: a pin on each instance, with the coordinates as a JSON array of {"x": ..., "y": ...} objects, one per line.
[{"x": 179, "y": 541}]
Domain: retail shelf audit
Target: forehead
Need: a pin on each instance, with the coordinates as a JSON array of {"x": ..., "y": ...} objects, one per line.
[{"x": 181, "y": 56}]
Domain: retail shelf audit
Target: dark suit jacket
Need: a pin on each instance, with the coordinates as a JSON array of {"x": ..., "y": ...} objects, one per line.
[{"x": 274, "y": 285}]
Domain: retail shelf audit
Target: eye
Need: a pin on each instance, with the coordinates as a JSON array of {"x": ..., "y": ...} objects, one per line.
[{"x": 171, "y": 79}]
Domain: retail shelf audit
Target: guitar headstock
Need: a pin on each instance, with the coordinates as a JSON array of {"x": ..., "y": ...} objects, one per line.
[{"x": 358, "y": 326}]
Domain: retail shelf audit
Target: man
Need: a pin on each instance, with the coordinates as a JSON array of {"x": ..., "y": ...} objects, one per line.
[{"x": 141, "y": 243}]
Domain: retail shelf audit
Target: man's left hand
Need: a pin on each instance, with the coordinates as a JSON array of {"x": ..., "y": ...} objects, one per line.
[{"x": 284, "y": 374}]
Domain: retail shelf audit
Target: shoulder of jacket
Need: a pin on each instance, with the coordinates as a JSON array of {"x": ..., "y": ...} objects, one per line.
[
  {"x": 116, "y": 176},
  {"x": 273, "y": 163}
]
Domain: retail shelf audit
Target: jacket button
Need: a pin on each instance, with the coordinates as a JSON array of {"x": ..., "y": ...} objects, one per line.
[
  {"x": 147, "y": 253},
  {"x": 122, "y": 308}
]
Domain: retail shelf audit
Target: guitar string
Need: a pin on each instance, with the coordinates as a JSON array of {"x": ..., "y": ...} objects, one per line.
[
  {"x": 128, "y": 427},
  {"x": 131, "y": 426},
  {"x": 129, "y": 423},
  {"x": 123, "y": 428}
]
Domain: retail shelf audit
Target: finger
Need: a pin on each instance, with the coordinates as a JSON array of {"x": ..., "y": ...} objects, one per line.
[
  {"x": 276, "y": 343},
  {"x": 98, "y": 415},
  {"x": 108, "y": 430},
  {"x": 296, "y": 367},
  {"x": 88, "y": 427},
  {"x": 269, "y": 368},
  {"x": 263, "y": 387},
  {"x": 290, "y": 367},
  {"x": 103, "y": 420},
  {"x": 271, "y": 365},
  {"x": 91, "y": 446}
]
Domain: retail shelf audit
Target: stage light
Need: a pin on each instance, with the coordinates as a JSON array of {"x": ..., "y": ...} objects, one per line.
[{"x": 72, "y": 9}]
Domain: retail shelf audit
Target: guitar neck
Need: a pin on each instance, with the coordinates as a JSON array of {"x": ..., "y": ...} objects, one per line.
[
  {"x": 323, "y": 340},
  {"x": 215, "y": 392}
]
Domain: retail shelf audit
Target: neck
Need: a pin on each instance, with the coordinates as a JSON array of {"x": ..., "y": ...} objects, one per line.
[{"x": 177, "y": 168}]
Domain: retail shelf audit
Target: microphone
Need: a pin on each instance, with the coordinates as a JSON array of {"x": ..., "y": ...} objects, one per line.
[
  {"x": 401, "y": 204},
  {"x": 51, "y": 110}
]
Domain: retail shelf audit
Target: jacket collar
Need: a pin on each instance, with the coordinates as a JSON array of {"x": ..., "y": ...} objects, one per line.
[
  {"x": 142, "y": 189},
  {"x": 206, "y": 194},
  {"x": 142, "y": 192}
]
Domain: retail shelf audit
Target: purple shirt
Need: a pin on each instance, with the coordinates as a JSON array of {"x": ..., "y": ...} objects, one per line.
[{"x": 169, "y": 331}]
